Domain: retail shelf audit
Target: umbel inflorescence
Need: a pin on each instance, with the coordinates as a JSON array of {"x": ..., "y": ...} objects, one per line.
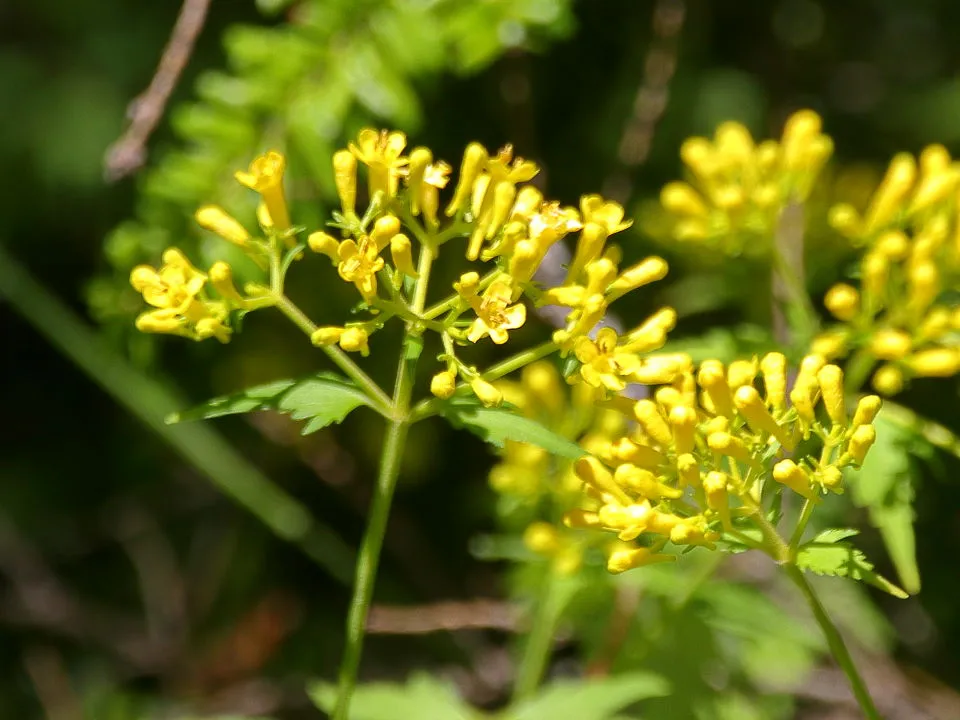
[
  {"x": 379, "y": 247},
  {"x": 709, "y": 449}
]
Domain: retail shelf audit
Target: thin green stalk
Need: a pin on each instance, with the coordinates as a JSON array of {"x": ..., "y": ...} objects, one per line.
[
  {"x": 150, "y": 402},
  {"x": 837, "y": 646},
  {"x": 536, "y": 651},
  {"x": 805, "y": 513},
  {"x": 391, "y": 456}
]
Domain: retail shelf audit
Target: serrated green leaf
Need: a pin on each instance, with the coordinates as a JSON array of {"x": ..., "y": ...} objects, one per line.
[
  {"x": 828, "y": 537},
  {"x": 320, "y": 399},
  {"x": 497, "y": 425},
  {"x": 593, "y": 700},
  {"x": 843, "y": 560},
  {"x": 421, "y": 697},
  {"x": 883, "y": 486}
]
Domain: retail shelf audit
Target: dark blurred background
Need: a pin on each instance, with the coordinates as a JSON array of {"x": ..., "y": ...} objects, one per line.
[{"x": 129, "y": 584}]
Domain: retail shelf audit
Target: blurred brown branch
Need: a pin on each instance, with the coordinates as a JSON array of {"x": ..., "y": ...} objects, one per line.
[
  {"x": 443, "y": 616},
  {"x": 128, "y": 154}
]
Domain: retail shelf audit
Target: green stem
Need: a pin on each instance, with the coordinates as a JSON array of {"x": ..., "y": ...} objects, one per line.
[
  {"x": 382, "y": 401},
  {"x": 837, "y": 646},
  {"x": 392, "y": 453},
  {"x": 857, "y": 371},
  {"x": 536, "y": 652}
]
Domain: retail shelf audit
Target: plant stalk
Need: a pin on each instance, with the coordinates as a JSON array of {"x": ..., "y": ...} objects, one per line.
[
  {"x": 390, "y": 459},
  {"x": 536, "y": 652},
  {"x": 837, "y": 646}
]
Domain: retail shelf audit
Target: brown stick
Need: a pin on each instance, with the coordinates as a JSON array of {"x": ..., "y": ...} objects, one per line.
[
  {"x": 129, "y": 152},
  {"x": 442, "y": 616}
]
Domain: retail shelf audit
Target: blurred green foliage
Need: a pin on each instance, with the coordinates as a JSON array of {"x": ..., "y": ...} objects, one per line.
[{"x": 93, "y": 505}]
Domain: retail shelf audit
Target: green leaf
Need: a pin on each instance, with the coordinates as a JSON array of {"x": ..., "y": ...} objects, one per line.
[
  {"x": 497, "y": 425},
  {"x": 422, "y": 697},
  {"x": 843, "y": 560},
  {"x": 883, "y": 486},
  {"x": 593, "y": 700},
  {"x": 828, "y": 537},
  {"x": 321, "y": 399}
]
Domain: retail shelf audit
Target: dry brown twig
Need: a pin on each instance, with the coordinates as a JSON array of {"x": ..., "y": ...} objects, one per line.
[{"x": 129, "y": 152}]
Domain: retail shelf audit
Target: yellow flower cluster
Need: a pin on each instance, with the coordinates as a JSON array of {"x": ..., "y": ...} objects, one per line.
[
  {"x": 177, "y": 292},
  {"x": 708, "y": 446},
  {"x": 737, "y": 189},
  {"x": 900, "y": 314}
]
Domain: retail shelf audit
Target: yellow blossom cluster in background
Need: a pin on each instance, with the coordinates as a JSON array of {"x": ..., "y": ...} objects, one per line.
[
  {"x": 706, "y": 448},
  {"x": 903, "y": 313},
  {"x": 736, "y": 188}
]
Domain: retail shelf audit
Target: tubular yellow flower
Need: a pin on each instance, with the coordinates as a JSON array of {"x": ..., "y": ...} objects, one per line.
[
  {"x": 753, "y": 409},
  {"x": 774, "y": 368},
  {"x": 217, "y": 220},
  {"x": 843, "y": 301},
  {"x": 937, "y": 362},
  {"x": 324, "y": 244},
  {"x": 888, "y": 380},
  {"x": 354, "y": 339},
  {"x": 643, "y": 273},
  {"x": 420, "y": 159},
  {"x": 345, "y": 178},
  {"x": 683, "y": 420},
  {"x": 221, "y": 277},
  {"x": 715, "y": 488},
  {"x": 860, "y": 442},
  {"x": 328, "y": 335},
  {"x": 788, "y": 473},
  {"x": 682, "y": 199},
  {"x": 359, "y": 264},
  {"x": 894, "y": 188},
  {"x": 435, "y": 179},
  {"x": 712, "y": 379},
  {"x": 495, "y": 315},
  {"x": 889, "y": 344},
  {"x": 466, "y": 287},
  {"x": 486, "y": 393},
  {"x": 383, "y": 231},
  {"x": 589, "y": 246},
  {"x": 603, "y": 364},
  {"x": 402, "y": 253},
  {"x": 443, "y": 384},
  {"x": 542, "y": 538},
  {"x": 653, "y": 423},
  {"x": 381, "y": 153},
  {"x": 265, "y": 176},
  {"x": 830, "y": 379},
  {"x": 474, "y": 160},
  {"x": 726, "y": 444},
  {"x": 867, "y": 409},
  {"x": 623, "y": 559}
]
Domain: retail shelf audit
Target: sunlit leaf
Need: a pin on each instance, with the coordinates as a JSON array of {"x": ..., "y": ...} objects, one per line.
[
  {"x": 598, "y": 699},
  {"x": 842, "y": 560},
  {"x": 321, "y": 399},
  {"x": 422, "y": 697}
]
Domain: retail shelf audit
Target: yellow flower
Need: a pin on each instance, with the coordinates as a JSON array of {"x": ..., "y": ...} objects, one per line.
[
  {"x": 173, "y": 286},
  {"x": 266, "y": 177},
  {"x": 217, "y": 220},
  {"x": 603, "y": 364},
  {"x": 381, "y": 153},
  {"x": 359, "y": 264},
  {"x": 495, "y": 315}
]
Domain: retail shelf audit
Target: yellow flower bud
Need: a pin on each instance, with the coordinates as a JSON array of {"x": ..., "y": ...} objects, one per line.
[
  {"x": 600, "y": 273},
  {"x": 774, "y": 369},
  {"x": 525, "y": 260},
  {"x": 924, "y": 286},
  {"x": 845, "y": 219},
  {"x": 643, "y": 273},
  {"x": 830, "y": 477},
  {"x": 830, "y": 378},
  {"x": 712, "y": 379},
  {"x": 874, "y": 274},
  {"x": 625, "y": 451},
  {"x": 623, "y": 560},
  {"x": 683, "y": 420},
  {"x": 486, "y": 393},
  {"x": 474, "y": 160},
  {"x": 688, "y": 471},
  {"x": 420, "y": 158},
  {"x": 888, "y": 380},
  {"x": 217, "y": 220},
  {"x": 529, "y": 200},
  {"x": 467, "y": 285},
  {"x": 867, "y": 409},
  {"x": 893, "y": 245},
  {"x": 589, "y": 246},
  {"x": 889, "y": 344},
  {"x": 698, "y": 154},
  {"x": 659, "y": 369},
  {"x": 345, "y": 178},
  {"x": 753, "y": 409},
  {"x": 860, "y": 442},
  {"x": 643, "y": 482},
  {"x": 741, "y": 372},
  {"x": 221, "y": 277},
  {"x": 354, "y": 339},
  {"x": 830, "y": 344},
  {"x": 594, "y": 474},
  {"x": 888, "y": 197},
  {"x": 726, "y": 444},
  {"x": 503, "y": 196},
  {"x": 266, "y": 177},
  {"x": 329, "y": 335},
  {"x": 715, "y": 489},
  {"x": 933, "y": 189},
  {"x": 692, "y": 229},
  {"x": 843, "y": 301},
  {"x": 937, "y": 362},
  {"x": 151, "y": 322},
  {"x": 680, "y": 198},
  {"x": 383, "y": 231},
  {"x": 652, "y": 422},
  {"x": 542, "y": 538},
  {"x": 324, "y": 244},
  {"x": 543, "y": 381},
  {"x": 788, "y": 473},
  {"x": 402, "y": 254},
  {"x": 443, "y": 384}
]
